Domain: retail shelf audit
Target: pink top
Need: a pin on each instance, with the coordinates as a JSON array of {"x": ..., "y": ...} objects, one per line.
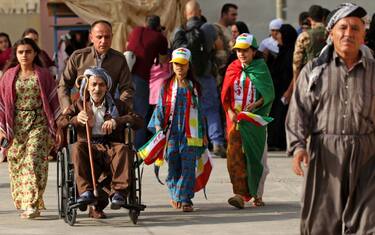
[{"x": 158, "y": 74}]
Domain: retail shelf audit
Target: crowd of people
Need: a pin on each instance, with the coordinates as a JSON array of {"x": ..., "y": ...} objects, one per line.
[{"x": 307, "y": 91}]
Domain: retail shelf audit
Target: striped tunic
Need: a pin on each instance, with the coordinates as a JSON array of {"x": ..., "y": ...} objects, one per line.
[
  {"x": 338, "y": 113},
  {"x": 340, "y": 103}
]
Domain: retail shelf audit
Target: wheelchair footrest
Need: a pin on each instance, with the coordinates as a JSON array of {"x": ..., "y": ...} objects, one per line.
[
  {"x": 80, "y": 205},
  {"x": 135, "y": 207}
]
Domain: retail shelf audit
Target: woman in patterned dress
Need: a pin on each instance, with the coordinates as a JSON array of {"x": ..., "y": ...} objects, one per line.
[
  {"x": 28, "y": 109},
  {"x": 178, "y": 111}
]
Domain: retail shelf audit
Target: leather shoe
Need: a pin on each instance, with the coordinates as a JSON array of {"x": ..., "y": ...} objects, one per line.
[
  {"x": 237, "y": 201},
  {"x": 219, "y": 150},
  {"x": 117, "y": 201},
  {"x": 96, "y": 214},
  {"x": 86, "y": 198}
]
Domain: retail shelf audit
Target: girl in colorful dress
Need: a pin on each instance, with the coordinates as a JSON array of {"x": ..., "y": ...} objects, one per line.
[
  {"x": 247, "y": 92},
  {"x": 29, "y": 107},
  {"x": 177, "y": 112}
]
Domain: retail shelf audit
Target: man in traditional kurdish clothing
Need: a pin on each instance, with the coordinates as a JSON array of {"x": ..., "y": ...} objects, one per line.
[
  {"x": 100, "y": 54},
  {"x": 333, "y": 105},
  {"x": 247, "y": 87},
  {"x": 106, "y": 122}
]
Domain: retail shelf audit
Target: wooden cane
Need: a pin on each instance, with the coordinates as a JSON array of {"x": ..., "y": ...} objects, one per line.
[{"x": 88, "y": 134}]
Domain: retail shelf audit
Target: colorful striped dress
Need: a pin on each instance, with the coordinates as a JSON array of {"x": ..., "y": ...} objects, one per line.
[{"x": 181, "y": 158}]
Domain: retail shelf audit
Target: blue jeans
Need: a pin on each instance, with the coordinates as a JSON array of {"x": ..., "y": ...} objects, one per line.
[
  {"x": 141, "y": 107},
  {"x": 210, "y": 105}
]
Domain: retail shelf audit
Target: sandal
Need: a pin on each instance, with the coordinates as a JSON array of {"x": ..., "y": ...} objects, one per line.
[
  {"x": 187, "y": 208},
  {"x": 258, "y": 202},
  {"x": 30, "y": 213},
  {"x": 174, "y": 204}
]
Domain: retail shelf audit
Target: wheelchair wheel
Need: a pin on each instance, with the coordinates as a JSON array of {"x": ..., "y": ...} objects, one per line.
[
  {"x": 70, "y": 217},
  {"x": 60, "y": 183},
  {"x": 68, "y": 189},
  {"x": 135, "y": 194},
  {"x": 133, "y": 214},
  {"x": 135, "y": 207},
  {"x": 137, "y": 183}
]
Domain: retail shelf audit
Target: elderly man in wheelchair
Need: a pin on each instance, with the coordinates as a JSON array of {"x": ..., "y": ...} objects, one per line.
[{"x": 106, "y": 121}]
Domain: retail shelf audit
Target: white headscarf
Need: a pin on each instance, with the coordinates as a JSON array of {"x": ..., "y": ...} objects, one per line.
[{"x": 100, "y": 72}]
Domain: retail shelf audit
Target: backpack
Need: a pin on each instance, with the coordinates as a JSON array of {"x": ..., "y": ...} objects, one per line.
[{"x": 194, "y": 40}]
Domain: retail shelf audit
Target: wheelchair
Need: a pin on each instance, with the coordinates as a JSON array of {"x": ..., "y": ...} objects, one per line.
[{"x": 66, "y": 184}]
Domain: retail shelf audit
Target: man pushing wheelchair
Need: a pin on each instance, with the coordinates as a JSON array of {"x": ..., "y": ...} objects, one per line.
[{"x": 100, "y": 122}]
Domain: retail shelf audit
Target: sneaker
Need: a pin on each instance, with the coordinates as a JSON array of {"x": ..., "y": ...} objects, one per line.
[
  {"x": 117, "y": 201},
  {"x": 237, "y": 201},
  {"x": 219, "y": 150},
  {"x": 86, "y": 198}
]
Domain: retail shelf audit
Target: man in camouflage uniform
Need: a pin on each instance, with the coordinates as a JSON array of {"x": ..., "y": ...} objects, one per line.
[{"x": 308, "y": 45}]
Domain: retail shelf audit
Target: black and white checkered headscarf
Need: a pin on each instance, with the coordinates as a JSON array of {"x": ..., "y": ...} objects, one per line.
[{"x": 344, "y": 10}]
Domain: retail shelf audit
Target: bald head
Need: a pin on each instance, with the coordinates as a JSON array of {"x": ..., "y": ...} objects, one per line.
[{"x": 192, "y": 8}]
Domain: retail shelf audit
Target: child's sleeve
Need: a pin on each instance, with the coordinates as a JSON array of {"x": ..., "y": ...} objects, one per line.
[{"x": 157, "y": 118}]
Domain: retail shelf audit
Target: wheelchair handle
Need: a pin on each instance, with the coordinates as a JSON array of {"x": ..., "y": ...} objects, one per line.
[
  {"x": 72, "y": 137},
  {"x": 128, "y": 133},
  {"x": 4, "y": 143}
]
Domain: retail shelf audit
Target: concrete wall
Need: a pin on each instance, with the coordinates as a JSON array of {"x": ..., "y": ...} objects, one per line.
[
  {"x": 13, "y": 21},
  {"x": 19, "y": 6},
  {"x": 258, "y": 13},
  {"x": 14, "y": 25}
]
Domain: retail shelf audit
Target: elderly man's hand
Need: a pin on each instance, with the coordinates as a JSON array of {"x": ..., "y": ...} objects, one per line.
[
  {"x": 108, "y": 126},
  {"x": 82, "y": 117},
  {"x": 300, "y": 156}
]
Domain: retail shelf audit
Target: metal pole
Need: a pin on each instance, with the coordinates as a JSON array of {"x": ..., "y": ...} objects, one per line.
[{"x": 281, "y": 9}]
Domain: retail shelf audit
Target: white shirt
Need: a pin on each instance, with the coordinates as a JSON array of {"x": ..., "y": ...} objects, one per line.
[
  {"x": 99, "y": 112},
  {"x": 99, "y": 59}
]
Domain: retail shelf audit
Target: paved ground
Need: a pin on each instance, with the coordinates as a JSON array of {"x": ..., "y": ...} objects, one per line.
[{"x": 212, "y": 216}]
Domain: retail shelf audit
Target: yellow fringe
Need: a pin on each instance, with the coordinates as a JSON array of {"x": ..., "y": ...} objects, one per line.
[
  {"x": 195, "y": 142},
  {"x": 159, "y": 162}
]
